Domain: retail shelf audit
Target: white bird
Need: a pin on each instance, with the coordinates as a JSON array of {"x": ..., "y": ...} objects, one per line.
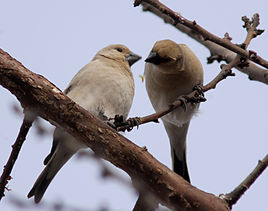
[{"x": 104, "y": 87}]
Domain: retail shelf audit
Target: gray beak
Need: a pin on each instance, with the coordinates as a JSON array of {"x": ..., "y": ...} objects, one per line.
[
  {"x": 153, "y": 58},
  {"x": 132, "y": 58}
]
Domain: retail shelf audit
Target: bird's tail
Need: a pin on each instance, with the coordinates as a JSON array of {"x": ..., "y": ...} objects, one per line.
[
  {"x": 145, "y": 203},
  {"x": 180, "y": 166},
  {"x": 177, "y": 137},
  {"x": 58, "y": 159}
]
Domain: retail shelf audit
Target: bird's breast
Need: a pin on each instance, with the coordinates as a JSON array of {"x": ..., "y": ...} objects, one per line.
[{"x": 164, "y": 89}]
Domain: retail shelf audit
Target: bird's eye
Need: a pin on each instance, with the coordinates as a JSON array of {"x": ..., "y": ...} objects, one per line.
[{"x": 119, "y": 49}]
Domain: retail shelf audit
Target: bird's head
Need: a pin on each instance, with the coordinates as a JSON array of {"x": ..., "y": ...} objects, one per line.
[
  {"x": 119, "y": 52},
  {"x": 165, "y": 52}
]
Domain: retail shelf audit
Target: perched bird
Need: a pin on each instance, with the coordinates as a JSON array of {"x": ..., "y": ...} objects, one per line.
[
  {"x": 172, "y": 70},
  {"x": 104, "y": 87}
]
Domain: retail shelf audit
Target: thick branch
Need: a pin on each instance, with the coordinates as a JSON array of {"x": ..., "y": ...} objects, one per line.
[
  {"x": 253, "y": 71},
  {"x": 37, "y": 93}
]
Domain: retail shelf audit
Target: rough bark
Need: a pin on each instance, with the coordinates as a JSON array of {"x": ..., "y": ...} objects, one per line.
[{"x": 44, "y": 99}]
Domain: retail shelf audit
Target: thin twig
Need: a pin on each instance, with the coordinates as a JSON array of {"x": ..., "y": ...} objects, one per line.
[
  {"x": 26, "y": 125},
  {"x": 179, "y": 19},
  {"x": 225, "y": 72},
  {"x": 251, "y": 27},
  {"x": 254, "y": 71},
  {"x": 194, "y": 97},
  {"x": 232, "y": 197}
]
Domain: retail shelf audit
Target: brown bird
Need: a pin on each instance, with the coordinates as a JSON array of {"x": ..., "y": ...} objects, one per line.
[
  {"x": 104, "y": 87},
  {"x": 172, "y": 70}
]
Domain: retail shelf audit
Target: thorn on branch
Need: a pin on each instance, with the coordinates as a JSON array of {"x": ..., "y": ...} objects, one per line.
[
  {"x": 243, "y": 46},
  {"x": 259, "y": 31},
  {"x": 243, "y": 63},
  {"x": 144, "y": 148},
  {"x": 137, "y": 3},
  {"x": 213, "y": 58},
  {"x": 253, "y": 55},
  {"x": 227, "y": 36}
]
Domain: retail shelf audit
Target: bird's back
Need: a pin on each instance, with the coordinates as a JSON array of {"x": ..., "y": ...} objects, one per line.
[{"x": 107, "y": 93}]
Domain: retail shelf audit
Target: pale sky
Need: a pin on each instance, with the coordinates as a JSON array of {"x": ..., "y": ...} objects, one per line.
[{"x": 56, "y": 38}]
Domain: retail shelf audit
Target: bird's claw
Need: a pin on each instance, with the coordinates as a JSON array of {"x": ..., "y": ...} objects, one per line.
[
  {"x": 199, "y": 89},
  {"x": 117, "y": 121},
  {"x": 120, "y": 124},
  {"x": 132, "y": 122},
  {"x": 183, "y": 99},
  {"x": 199, "y": 95}
]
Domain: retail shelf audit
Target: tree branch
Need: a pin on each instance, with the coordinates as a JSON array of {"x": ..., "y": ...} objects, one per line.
[
  {"x": 195, "y": 96},
  {"x": 35, "y": 92},
  {"x": 232, "y": 197},
  {"x": 178, "y": 19},
  {"x": 219, "y": 50},
  {"x": 26, "y": 125}
]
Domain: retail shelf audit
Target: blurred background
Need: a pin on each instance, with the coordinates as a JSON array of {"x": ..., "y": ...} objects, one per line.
[{"x": 56, "y": 38}]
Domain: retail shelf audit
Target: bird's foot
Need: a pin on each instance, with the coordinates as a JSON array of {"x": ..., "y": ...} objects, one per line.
[
  {"x": 120, "y": 124},
  {"x": 183, "y": 99},
  {"x": 199, "y": 89},
  {"x": 196, "y": 96},
  {"x": 199, "y": 95}
]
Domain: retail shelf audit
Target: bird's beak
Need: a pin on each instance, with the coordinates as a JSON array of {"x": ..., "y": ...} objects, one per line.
[
  {"x": 132, "y": 58},
  {"x": 153, "y": 58}
]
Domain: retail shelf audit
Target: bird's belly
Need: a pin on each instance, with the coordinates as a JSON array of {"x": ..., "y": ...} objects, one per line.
[{"x": 180, "y": 115}]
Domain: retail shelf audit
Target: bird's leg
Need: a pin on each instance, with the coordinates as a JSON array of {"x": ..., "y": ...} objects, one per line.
[
  {"x": 117, "y": 121},
  {"x": 132, "y": 122},
  {"x": 200, "y": 89},
  {"x": 198, "y": 94},
  {"x": 120, "y": 124},
  {"x": 183, "y": 99}
]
